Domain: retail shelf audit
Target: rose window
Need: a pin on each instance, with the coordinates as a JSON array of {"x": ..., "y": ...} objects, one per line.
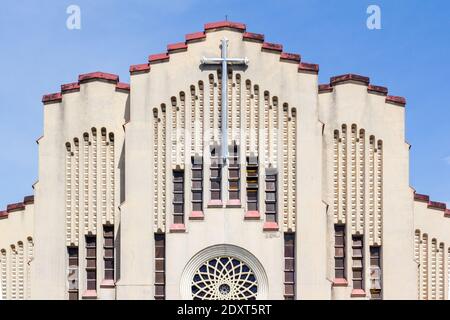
[{"x": 224, "y": 278}]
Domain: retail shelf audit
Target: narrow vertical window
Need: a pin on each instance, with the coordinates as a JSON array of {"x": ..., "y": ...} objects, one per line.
[
  {"x": 201, "y": 97},
  {"x": 339, "y": 255},
  {"x": 267, "y": 131},
  {"x": 85, "y": 186},
  {"x": 441, "y": 273},
  {"x": 417, "y": 259},
  {"x": 212, "y": 112},
  {"x": 289, "y": 266},
  {"x": 447, "y": 272},
  {"x": 30, "y": 254},
  {"x": 216, "y": 173},
  {"x": 91, "y": 263},
  {"x": 433, "y": 256},
  {"x": 336, "y": 169},
  {"x": 13, "y": 272},
  {"x": 248, "y": 116},
  {"x": 4, "y": 274},
  {"x": 112, "y": 184},
  {"x": 160, "y": 256},
  {"x": 156, "y": 155},
  {"x": 371, "y": 195},
  {"x": 175, "y": 109},
  {"x": 162, "y": 163},
  {"x": 103, "y": 175},
  {"x": 424, "y": 266},
  {"x": 108, "y": 247},
  {"x": 358, "y": 266},
  {"x": 92, "y": 217},
  {"x": 353, "y": 179},
  {"x": 256, "y": 117},
  {"x": 194, "y": 121},
  {"x": 343, "y": 173},
  {"x": 234, "y": 176},
  {"x": 218, "y": 127},
  {"x": 68, "y": 206},
  {"x": 197, "y": 187},
  {"x": 375, "y": 273},
  {"x": 182, "y": 125},
  {"x": 271, "y": 200},
  {"x": 178, "y": 197},
  {"x": 76, "y": 193},
  {"x": 72, "y": 272},
  {"x": 252, "y": 186},
  {"x": 20, "y": 271}
]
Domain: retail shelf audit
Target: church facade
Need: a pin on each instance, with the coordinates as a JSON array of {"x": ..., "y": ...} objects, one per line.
[{"x": 224, "y": 170}]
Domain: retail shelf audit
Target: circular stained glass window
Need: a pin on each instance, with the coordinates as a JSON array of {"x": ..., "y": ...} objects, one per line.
[{"x": 224, "y": 278}]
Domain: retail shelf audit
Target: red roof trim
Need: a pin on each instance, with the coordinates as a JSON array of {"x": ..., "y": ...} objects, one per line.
[
  {"x": 370, "y": 88},
  {"x": 57, "y": 97},
  {"x": 272, "y": 46},
  {"x": 421, "y": 197},
  {"x": 437, "y": 205},
  {"x": 177, "y": 46},
  {"x": 290, "y": 56},
  {"x": 52, "y": 97},
  {"x": 396, "y": 100},
  {"x": 349, "y": 77},
  {"x": 432, "y": 204},
  {"x": 195, "y": 36},
  {"x": 225, "y": 24},
  {"x": 70, "y": 87},
  {"x": 98, "y": 76},
  {"x": 20, "y": 206},
  {"x": 159, "y": 57},
  {"x": 28, "y": 200},
  {"x": 253, "y": 36},
  {"x": 123, "y": 86},
  {"x": 378, "y": 89},
  {"x": 310, "y": 67},
  {"x": 325, "y": 88},
  {"x": 15, "y": 207},
  {"x": 139, "y": 68}
]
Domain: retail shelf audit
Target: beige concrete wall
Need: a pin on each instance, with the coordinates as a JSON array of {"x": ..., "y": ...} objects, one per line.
[
  {"x": 433, "y": 223},
  {"x": 16, "y": 244},
  {"x": 165, "y": 80},
  {"x": 350, "y": 103},
  {"x": 97, "y": 104},
  {"x": 131, "y": 118}
]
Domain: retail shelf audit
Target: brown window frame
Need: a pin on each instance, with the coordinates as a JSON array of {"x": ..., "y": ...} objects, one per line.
[
  {"x": 252, "y": 183},
  {"x": 271, "y": 195},
  {"x": 234, "y": 173},
  {"x": 178, "y": 205},
  {"x": 340, "y": 272},
  {"x": 91, "y": 262},
  {"x": 358, "y": 262},
  {"x": 73, "y": 258},
  {"x": 108, "y": 260},
  {"x": 289, "y": 266},
  {"x": 197, "y": 178},
  {"x": 375, "y": 261},
  {"x": 160, "y": 266},
  {"x": 215, "y": 166}
]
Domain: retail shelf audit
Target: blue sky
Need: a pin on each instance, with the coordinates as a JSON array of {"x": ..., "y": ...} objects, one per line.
[{"x": 409, "y": 55}]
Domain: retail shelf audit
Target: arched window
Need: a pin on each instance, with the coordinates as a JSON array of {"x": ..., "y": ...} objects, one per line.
[{"x": 224, "y": 272}]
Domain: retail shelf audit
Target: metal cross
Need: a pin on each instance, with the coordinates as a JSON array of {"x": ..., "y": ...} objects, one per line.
[{"x": 224, "y": 60}]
